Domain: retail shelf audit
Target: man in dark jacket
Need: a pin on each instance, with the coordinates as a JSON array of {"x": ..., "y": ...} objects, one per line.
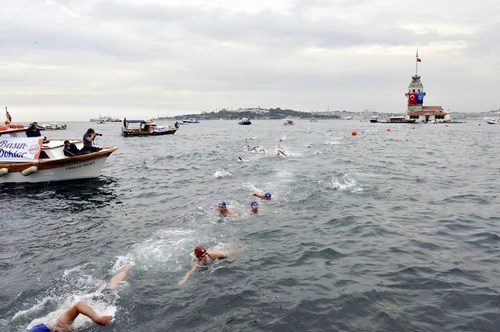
[{"x": 33, "y": 130}]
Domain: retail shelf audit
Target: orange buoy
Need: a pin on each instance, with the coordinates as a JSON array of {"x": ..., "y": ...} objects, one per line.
[
  {"x": 388, "y": 129},
  {"x": 413, "y": 127},
  {"x": 354, "y": 133},
  {"x": 446, "y": 125}
]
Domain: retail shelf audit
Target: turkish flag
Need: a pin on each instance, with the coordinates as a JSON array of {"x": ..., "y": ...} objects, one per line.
[{"x": 412, "y": 99}]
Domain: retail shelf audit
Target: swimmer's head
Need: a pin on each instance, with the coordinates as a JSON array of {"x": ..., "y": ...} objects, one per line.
[
  {"x": 252, "y": 203},
  {"x": 267, "y": 195},
  {"x": 222, "y": 204},
  {"x": 40, "y": 328},
  {"x": 199, "y": 252}
]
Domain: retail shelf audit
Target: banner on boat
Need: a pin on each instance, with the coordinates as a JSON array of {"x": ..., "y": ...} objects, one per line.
[{"x": 16, "y": 149}]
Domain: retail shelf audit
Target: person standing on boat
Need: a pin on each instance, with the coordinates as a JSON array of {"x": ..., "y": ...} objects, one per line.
[
  {"x": 202, "y": 258},
  {"x": 33, "y": 130},
  {"x": 88, "y": 140}
]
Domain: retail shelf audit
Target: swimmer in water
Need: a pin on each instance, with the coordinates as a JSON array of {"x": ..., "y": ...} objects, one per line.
[
  {"x": 281, "y": 152},
  {"x": 254, "y": 207},
  {"x": 202, "y": 257},
  {"x": 265, "y": 197},
  {"x": 65, "y": 320},
  {"x": 224, "y": 209}
]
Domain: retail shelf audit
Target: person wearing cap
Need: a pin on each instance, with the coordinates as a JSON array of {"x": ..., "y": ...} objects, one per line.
[
  {"x": 254, "y": 207},
  {"x": 224, "y": 210},
  {"x": 202, "y": 257},
  {"x": 33, "y": 130},
  {"x": 65, "y": 321},
  {"x": 266, "y": 196}
]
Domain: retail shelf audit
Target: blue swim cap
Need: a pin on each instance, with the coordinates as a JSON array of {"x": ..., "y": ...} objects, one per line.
[
  {"x": 222, "y": 203},
  {"x": 253, "y": 202},
  {"x": 267, "y": 195},
  {"x": 40, "y": 328}
]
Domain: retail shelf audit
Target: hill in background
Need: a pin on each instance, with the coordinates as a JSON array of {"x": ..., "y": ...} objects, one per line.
[{"x": 278, "y": 113}]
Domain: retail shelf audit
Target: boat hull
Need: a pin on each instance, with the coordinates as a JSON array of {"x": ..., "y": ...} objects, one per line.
[
  {"x": 128, "y": 133},
  {"x": 70, "y": 168}
]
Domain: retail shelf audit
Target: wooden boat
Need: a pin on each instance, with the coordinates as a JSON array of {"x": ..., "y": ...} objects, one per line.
[
  {"x": 49, "y": 162},
  {"x": 146, "y": 128}
]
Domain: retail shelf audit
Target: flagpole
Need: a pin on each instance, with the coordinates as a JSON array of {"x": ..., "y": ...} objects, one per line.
[{"x": 416, "y": 64}]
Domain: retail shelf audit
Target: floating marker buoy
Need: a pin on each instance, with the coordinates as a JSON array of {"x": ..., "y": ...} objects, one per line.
[
  {"x": 354, "y": 133},
  {"x": 3, "y": 171},
  {"x": 446, "y": 125},
  {"x": 388, "y": 129},
  {"x": 413, "y": 127},
  {"x": 30, "y": 170}
]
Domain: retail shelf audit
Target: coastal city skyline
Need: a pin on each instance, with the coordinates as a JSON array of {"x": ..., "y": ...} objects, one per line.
[{"x": 75, "y": 61}]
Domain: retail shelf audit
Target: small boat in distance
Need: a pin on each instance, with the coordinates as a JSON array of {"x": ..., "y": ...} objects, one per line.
[
  {"x": 190, "y": 121},
  {"x": 374, "y": 119},
  {"x": 491, "y": 121},
  {"x": 102, "y": 119},
  {"x": 54, "y": 126},
  {"x": 400, "y": 119},
  {"x": 288, "y": 122},
  {"x": 245, "y": 122},
  {"x": 146, "y": 128}
]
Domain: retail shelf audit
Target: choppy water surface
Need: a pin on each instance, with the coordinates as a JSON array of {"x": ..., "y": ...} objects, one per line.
[{"x": 384, "y": 231}]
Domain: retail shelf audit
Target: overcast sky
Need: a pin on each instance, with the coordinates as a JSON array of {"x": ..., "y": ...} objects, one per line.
[{"x": 74, "y": 60}]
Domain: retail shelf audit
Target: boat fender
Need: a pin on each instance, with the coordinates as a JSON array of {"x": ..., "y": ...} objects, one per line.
[
  {"x": 30, "y": 170},
  {"x": 3, "y": 171}
]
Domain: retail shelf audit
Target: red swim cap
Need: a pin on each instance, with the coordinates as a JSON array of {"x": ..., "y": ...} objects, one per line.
[{"x": 199, "y": 251}]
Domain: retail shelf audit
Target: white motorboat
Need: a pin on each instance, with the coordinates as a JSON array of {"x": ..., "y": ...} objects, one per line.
[
  {"x": 245, "y": 121},
  {"x": 54, "y": 126}
]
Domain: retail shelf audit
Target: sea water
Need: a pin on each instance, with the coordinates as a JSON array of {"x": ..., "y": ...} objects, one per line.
[{"x": 393, "y": 229}]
